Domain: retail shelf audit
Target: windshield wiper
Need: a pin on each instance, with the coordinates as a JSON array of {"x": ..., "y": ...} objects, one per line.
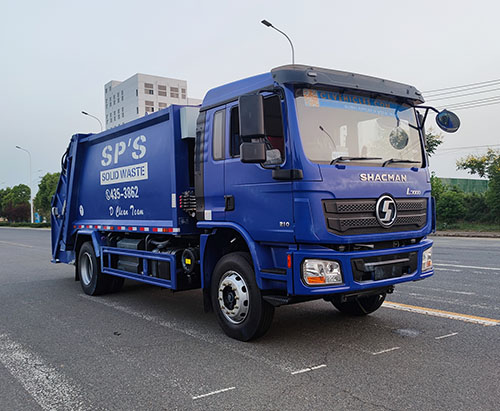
[
  {"x": 399, "y": 160},
  {"x": 342, "y": 158}
]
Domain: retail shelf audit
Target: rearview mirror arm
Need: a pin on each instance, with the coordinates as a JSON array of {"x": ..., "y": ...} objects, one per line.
[{"x": 427, "y": 108}]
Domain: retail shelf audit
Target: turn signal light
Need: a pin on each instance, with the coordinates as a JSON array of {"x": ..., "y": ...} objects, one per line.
[{"x": 316, "y": 280}]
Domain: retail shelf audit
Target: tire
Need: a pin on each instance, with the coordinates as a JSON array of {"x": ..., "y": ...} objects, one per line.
[
  {"x": 115, "y": 284},
  {"x": 236, "y": 299},
  {"x": 362, "y": 305},
  {"x": 93, "y": 282}
]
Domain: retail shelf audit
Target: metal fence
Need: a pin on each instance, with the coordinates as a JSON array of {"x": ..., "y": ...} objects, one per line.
[{"x": 468, "y": 185}]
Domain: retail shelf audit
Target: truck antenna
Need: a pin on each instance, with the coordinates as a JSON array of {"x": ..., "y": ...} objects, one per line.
[{"x": 268, "y": 24}]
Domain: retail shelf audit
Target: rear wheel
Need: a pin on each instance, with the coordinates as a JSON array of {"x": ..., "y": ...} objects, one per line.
[
  {"x": 94, "y": 282},
  {"x": 236, "y": 299},
  {"x": 116, "y": 284},
  {"x": 362, "y": 305}
]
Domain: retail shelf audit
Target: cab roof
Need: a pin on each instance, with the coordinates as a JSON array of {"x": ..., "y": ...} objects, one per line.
[{"x": 310, "y": 76}]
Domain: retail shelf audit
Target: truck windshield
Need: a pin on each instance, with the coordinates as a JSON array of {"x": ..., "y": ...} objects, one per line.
[{"x": 355, "y": 129}]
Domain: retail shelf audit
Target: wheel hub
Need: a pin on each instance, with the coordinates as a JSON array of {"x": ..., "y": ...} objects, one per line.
[
  {"x": 233, "y": 297},
  {"x": 229, "y": 297},
  {"x": 86, "y": 268}
]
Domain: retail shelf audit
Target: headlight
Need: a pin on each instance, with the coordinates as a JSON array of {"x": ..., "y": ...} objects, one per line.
[
  {"x": 427, "y": 260},
  {"x": 321, "y": 272}
]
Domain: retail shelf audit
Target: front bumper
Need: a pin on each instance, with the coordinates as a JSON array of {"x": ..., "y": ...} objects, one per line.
[{"x": 350, "y": 284}]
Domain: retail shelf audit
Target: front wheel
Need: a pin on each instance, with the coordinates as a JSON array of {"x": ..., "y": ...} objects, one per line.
[
  {"x": 362, "y": 305},
  {"x": 236, "y": 299}
]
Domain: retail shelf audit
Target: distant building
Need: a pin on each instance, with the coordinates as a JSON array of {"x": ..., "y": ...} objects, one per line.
[{"x": 142, "y": 94}]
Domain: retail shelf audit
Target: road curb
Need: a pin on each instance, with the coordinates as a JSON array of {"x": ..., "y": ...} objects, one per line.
[
  {"x": 476, "y": 234},
  {"x": 26, "y": 228}
]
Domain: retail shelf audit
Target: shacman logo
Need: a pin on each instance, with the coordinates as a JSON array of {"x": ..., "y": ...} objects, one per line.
[
  {"x": 386, "y": 211},
  {"x": 392, "y": 178}
]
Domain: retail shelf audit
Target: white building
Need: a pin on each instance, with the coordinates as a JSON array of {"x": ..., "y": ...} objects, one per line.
[{"x": 142, "y": 94}]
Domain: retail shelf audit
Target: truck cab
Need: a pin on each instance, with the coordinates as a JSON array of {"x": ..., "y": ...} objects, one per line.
[{"x": 338, "y": 205}]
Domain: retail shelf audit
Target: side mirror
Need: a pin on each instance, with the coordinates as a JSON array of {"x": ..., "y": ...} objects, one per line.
[
  {"x": 273, "y": 157},
  {"x": 251, "y": 113},
  {"x": 448, "y": 121},
  {"x": 253, "y": 152}
]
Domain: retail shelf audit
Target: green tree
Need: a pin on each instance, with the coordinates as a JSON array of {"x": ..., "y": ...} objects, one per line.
[
  {"x": 3, "y": 193},
  {"x": 451, "y": 206},
  {"x": 437, "y": 187},
  {"x": 15, "y": 203},
  {"x": 46, "y": 189},
  {"x": 487, "y": 165},
  {"x": 16, "y": 195},
  {"x": 477, "y": 209},
  {"x": 432, "y": 141}
]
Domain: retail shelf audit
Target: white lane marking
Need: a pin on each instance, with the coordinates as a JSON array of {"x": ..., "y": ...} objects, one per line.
[
  {"x": 443, "y": 314},
  {"x": 316, "y": 367},
  {"x": 448, "y": 269},
  {"x": 213, "y": 393},
  {"x": 50, "y": 389},
  {"x": 445, "y": 336},
  {"x": 467, "y": 266},
  {"x": 211, "y": 339},
  {"x": 455, "y": 301},
  {"x": 441, "y": 290},
  {"x": 15, "y": 244},
  {"x": 461, "y": 292},
  {"x": 384, "y": 351}
]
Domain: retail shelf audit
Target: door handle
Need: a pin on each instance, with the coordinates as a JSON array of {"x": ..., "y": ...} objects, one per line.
[{"x": 229, "y": 203}]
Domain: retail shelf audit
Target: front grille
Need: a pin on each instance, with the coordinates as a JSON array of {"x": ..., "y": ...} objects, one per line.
[
  {"x": 384, "y": 266},
  {"x": 357, "y": 216}
]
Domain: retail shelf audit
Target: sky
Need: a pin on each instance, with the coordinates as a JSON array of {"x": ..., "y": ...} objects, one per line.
[{"x": 56, "y": 57}]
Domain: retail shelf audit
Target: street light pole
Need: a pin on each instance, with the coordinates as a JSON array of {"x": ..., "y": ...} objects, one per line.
[
  {"x": 31, "y": 188},
  {"x": 268, "y": 24},
  {"x": 90, "y": 115}
]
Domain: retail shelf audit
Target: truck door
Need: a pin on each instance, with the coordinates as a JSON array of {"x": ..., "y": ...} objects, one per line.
[
  {"x": 254, "y": 200},
  {"x": 214, "y": 168}
]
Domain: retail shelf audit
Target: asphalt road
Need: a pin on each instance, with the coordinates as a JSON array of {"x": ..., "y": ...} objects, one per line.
[{"x": 147, "y": 348}]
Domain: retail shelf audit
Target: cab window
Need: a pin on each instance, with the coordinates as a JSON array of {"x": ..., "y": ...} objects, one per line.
[{"x": 218, "y": 136}]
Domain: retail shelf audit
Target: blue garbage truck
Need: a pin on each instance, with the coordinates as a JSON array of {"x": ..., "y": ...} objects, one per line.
[{"x": 298, "y": 184}]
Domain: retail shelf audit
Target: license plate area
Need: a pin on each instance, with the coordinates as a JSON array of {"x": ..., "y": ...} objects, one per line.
[{"x": 384, "y": 267}]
